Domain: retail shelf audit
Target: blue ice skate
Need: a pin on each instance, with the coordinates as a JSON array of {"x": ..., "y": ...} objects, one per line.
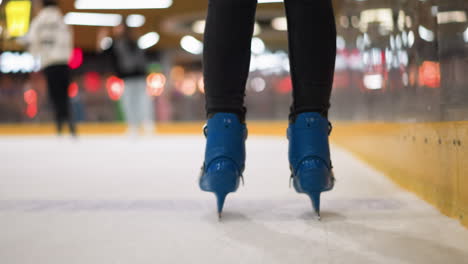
[
  {"x": 309, "y": 156},
  {"x": 224, "y": 156}
]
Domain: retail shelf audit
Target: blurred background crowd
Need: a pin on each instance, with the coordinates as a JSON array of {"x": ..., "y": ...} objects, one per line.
[{"x": 404, "y": 60}]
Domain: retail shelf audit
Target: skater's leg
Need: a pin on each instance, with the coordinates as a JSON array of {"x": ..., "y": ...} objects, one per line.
[
  {"x": 226, "y": 54},
  {"x": 53, "y": 90},
  {"x": 226, "y": 62},
  {"x": 312, "y": 46},
  {"x": 312, "y": 49},
  {"x": 128, "y": 100},
  {"x": 309, "y": 156},
  {"x": 63, "y": 82},
  {"x": 224, "y": 156},
  {"x": 146, "y": 107}
]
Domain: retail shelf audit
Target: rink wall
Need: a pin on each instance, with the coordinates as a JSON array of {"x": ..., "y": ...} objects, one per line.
[
  {"x": 429, "y": 159},
  {"x": 274, "y": 128}
]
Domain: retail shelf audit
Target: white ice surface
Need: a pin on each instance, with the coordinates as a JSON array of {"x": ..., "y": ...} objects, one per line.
[{"x": 109, "y": 200}]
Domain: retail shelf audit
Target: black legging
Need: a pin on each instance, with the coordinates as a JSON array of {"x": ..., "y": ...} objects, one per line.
[
  {"x": 226, "y": 57},
  {"x": 58, "y": 80}
]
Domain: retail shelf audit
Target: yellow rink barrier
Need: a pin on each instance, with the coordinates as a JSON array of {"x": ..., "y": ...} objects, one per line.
[
  {"x": 260, "y": 128},
  {"x": 429, "y": 159}
]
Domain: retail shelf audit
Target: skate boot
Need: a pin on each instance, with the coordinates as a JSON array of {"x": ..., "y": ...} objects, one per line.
[
  {"x": 309, "y": 156},
  {"x": 224, "y": 156}
]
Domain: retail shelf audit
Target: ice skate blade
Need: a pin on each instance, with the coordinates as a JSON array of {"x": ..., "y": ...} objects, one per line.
[
  {"x": 318, "y": 217},
  {"x": 315, "y": 199},
  {"x": 220, "y": 199}
]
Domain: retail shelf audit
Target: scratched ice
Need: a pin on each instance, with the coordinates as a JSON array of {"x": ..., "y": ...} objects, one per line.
[{"x": 112, "y": 200}]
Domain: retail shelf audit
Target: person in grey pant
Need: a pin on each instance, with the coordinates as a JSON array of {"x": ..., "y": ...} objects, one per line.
[
  {"x": 130, "y": 63},
  {"x": 138, "y": 105}
]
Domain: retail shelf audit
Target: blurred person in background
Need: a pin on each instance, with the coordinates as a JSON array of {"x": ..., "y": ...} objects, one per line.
[
  {"x": 51, "y": 40},
  {"x": 130, "y": 65},
  {"x": 226, "y": 59}
]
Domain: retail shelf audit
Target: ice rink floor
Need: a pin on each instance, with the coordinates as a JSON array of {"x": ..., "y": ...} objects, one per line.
[{"x": 111, "y": 200}]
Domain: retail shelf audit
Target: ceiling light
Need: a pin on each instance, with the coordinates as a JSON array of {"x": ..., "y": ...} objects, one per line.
[
  {"x": 383, "y": 16},
  {"x": 192, "y": 45},
  {"x": 122, "y": 4},
  {"x": 148, "y": 40},
  {"x": 426, "y": 34},
  {"x": 199, "y": 26},
  {"x": 280, "y": 23},
  {"x": 451, "y": 17},
  {"x": 92, "y": 19},
  {"x": 135, "y": 20}
]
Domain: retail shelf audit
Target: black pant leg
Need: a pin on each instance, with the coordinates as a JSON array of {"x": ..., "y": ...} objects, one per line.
[
  {"x": 52, "y": 89},
  {"x": 226, "y": 55},
  {"x": 58, "y": 80},
  {"x": 312, "y": 51},
  {"x": 64, "y": 83}
]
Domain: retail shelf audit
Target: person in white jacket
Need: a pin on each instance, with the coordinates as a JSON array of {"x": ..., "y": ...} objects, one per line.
[{"x": 51, "y": 40}]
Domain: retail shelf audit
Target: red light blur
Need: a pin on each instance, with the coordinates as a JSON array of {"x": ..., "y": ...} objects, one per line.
[
  {"x": 429, "y": 74},
  {"x": 30, "y": 97},
  {"x": 76, "y": 59},
  {"x": 115, "y": 87},
  {"x": 285, "y": 85},
  {"x": 73, "y": 90},
  {"x": 92, "y": 81},
  {"x": 31, "y": 110}
]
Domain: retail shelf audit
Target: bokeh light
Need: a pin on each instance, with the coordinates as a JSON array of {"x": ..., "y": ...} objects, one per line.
[
  {"x": 284, "y": 86},
  {"x": 188, "y": 86},
  {"x": 115, "y": 87},
  {"x": 201, "y": 85},
  {"x": 429, "y": 74},
  {"x": 92, "y": 81},
  {"x": 76, "y": 59},
  {"x": 73, "y": 90},
  {"x": 30, "y": 97},
  {"x": 155, "y": 84}
]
